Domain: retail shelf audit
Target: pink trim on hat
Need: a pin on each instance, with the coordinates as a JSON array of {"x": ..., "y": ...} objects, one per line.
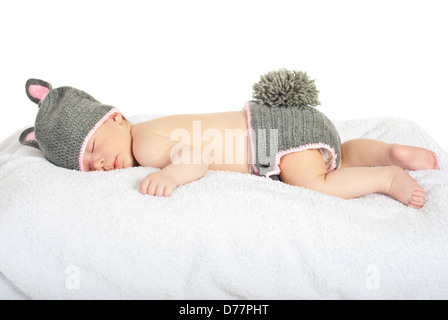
[
  {"x": 280, "y": 154},
  {"x": 91, "y": 133},
  {"x": 251, "y": 144}
]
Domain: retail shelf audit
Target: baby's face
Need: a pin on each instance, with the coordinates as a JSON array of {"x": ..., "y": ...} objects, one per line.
[{"x": 110, "y": 147}]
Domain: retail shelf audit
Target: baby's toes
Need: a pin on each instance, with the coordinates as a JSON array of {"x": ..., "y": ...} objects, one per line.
[{"x": 417, "y": 200}]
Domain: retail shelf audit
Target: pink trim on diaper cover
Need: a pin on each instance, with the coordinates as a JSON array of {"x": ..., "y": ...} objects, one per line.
[
  {"x": 251, "y": 148},
  {"x": 91, "y": 133},
  {"x": 280, "y": 154}
]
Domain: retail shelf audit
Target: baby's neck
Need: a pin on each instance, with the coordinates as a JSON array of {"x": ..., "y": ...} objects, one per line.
[{"x": 128, "y": 125}]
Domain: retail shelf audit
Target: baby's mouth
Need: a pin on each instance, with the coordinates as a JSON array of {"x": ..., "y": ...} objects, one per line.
[{"x": 116, "y": 164}]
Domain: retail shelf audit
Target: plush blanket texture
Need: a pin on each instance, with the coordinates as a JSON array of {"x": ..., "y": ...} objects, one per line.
[{"x": 72, "y": 235}]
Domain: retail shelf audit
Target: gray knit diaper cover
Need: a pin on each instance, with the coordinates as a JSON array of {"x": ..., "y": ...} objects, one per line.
[{"x": 275, "y": 132}]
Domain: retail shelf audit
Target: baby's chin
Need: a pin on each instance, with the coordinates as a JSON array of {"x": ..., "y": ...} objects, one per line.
[{"x": 129, "y": 163}]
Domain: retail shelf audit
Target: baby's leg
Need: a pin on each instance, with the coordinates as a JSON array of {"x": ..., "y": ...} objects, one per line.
[
  {"x": 307, "y": 169},
  {"x": 370, "y": 153}
]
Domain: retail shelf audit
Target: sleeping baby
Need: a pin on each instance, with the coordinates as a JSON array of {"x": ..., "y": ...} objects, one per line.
[{"x": 278, "y": 135}]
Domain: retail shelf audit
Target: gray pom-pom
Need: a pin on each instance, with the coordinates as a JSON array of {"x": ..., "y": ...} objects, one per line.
[{"x": 286, "y": 88}]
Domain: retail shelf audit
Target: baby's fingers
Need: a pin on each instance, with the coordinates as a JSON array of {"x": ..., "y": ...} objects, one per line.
[
  {"x": 149, "y": 186},
  {"x": 169, "y": 190},
  {"x": 159, "y": 190},
  {"x": 144, "y": 185},
  {"x": 152, "y": 187}
]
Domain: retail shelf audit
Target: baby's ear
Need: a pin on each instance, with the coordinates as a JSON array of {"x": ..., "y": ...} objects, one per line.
[
  {"x": 117, "y": 117},
  {"x": 28, "y": 138},
  {"x": 37, "y": 90}
]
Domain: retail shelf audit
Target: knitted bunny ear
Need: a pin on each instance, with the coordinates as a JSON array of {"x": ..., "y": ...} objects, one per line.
[
  {"x": 28, "y": 138},
  {"x": 37, "y": 90}
]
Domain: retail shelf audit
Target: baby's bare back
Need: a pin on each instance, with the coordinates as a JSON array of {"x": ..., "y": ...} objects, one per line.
[{"x": 220, "y": 137}]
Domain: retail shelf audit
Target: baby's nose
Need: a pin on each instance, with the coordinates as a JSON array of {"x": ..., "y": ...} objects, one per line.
[{"x": 99, "y": 164}]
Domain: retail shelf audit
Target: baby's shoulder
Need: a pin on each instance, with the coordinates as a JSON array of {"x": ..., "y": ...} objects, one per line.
[{"x": 149, "y": 146}]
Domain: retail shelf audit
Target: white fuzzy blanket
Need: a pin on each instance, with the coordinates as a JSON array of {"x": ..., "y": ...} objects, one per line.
[{"x": 72, "y": 235}]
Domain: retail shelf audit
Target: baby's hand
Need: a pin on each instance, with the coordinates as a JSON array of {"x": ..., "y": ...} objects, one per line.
[{"x": 158, "y": 184}]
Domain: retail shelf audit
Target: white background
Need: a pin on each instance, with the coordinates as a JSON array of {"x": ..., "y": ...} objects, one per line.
[{"x": 369, "y": 58}]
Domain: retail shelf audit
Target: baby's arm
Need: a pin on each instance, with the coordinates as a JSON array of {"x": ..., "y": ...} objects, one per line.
[
  {"x": 153, "y": 150},
  {"x": 163, "y": 182}
]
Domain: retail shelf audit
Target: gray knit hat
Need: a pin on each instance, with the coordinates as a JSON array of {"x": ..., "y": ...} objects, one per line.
[{"x": 66, "y": 120}]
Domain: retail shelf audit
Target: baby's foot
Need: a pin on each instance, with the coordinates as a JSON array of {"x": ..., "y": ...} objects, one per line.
[
  {"x": 406, "y": 190},
  {"x": 413, "y": 158}
]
